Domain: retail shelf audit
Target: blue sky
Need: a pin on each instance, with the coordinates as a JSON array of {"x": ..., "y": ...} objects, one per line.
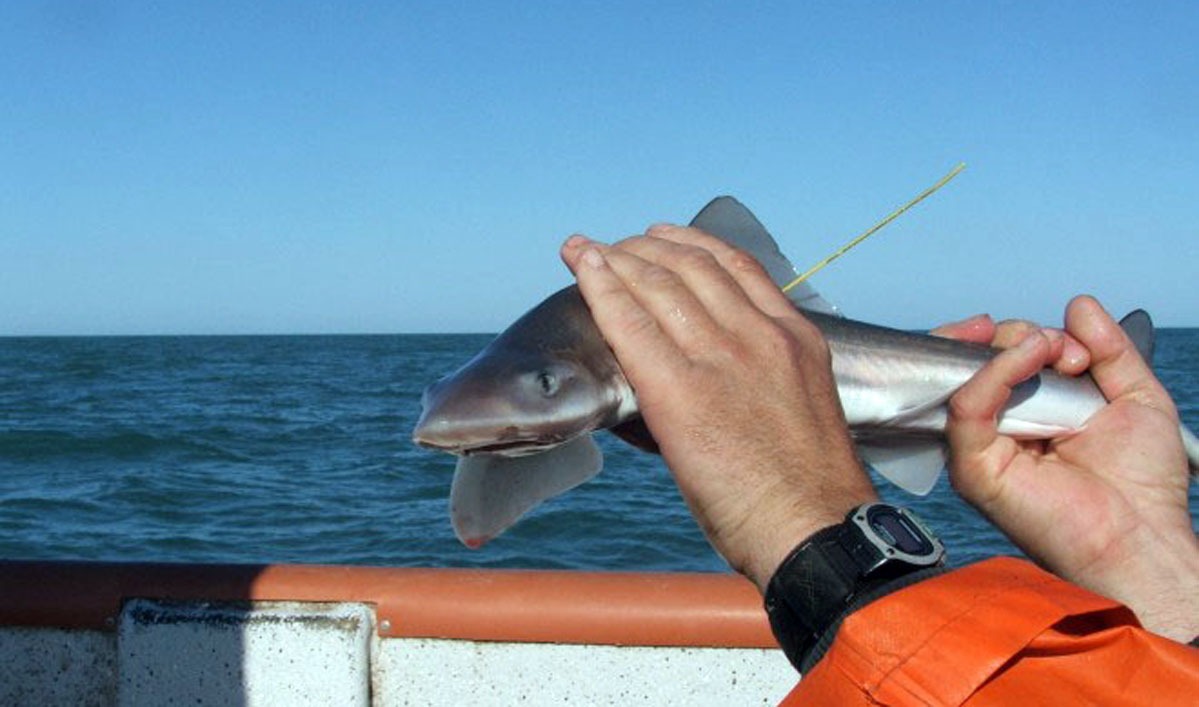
[{"x": 409, "y": 167}]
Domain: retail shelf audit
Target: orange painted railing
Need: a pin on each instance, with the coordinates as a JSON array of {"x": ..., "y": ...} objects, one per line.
[{"x": 647, "y": 609}]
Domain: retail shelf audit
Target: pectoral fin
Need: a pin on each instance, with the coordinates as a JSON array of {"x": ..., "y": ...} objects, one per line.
[
  {"x": 491, "y": 492},
  {"x": 912, "y": 465},
  {"x": 637, "y": 434}
]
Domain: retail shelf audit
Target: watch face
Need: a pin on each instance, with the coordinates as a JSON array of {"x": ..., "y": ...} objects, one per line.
[
  {"x": 898, "y": 531},
  {"x": 895, "y": 535}
]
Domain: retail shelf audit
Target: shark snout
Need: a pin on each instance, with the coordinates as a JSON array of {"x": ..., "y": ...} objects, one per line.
[{"x": 461, "y": 425}]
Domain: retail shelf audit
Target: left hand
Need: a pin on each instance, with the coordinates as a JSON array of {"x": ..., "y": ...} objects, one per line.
[
  {"x": 735, "y": 385},
  {"x": 1105, "y": 508}
]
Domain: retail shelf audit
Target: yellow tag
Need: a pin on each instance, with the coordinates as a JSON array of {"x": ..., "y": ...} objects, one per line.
[{"x": 876, "y": 227}]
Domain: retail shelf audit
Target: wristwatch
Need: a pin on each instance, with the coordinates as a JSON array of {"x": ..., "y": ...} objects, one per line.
[{"x": 877, "y": 549}]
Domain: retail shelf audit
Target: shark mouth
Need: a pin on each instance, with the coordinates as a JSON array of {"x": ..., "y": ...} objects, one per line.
[
  {"x": 505, "y": 448},
  {"x": 513, "y": 448}
]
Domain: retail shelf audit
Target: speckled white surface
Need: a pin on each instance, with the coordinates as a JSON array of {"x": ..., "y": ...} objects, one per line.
[
  {"x": 49, "y": 666},
  {"x": 281, "y": 653},
  {"x": 286, "y": 653},
  {"x": 443, "y": 672}
]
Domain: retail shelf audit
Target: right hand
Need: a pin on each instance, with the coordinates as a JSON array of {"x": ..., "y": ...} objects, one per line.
[
  {"x": 1105, "y": 508},
  {"x": 735, "y": 385}
]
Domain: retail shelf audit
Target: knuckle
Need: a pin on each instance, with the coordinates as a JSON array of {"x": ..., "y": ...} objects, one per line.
[
  {"x": 783, "y": 346},
  {"x": 961, "y": 407},
  {"x": 632, "y": 243},
  {"x": 662, "y": 230},
  {"x": 1012, "y": 331},
  {"x": 808, "y": 336},
  {"x": 792, "y": 340},
  {"x": 634, "y": 323},
  {"x": 695, "y": 259},
  {"x": 740, "y": 261},
  {"x": 659, "y": 277}
]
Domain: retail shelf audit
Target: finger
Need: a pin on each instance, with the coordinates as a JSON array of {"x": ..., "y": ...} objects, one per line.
[
  {"x": 1010, "y": 332},
  {"x": 690, "y": 285},
  {"x": 700, "y": 271},
  {"x": 670, "y": 299},
  {"x": 972, "y": 428},
  {"x": 1067, "y": 355},
  {"x": 977, "y": 329},
  {"x": 763, "y": 293},
  {"x": 1075, "y": 357},
  {"x": 572, "y": 249},
  {"x": 632, "y": 333},
  {"x": 1116, "y": 365},
  {"x": 743, "y": 267}
]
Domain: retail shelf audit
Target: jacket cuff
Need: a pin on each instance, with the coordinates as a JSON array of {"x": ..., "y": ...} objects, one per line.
[{"x": 804, "y": 663}]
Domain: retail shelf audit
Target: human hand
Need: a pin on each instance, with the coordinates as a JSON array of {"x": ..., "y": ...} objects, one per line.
[
  {"x": 735, "y": 385},
  {"x": 1105, "y": 508}
]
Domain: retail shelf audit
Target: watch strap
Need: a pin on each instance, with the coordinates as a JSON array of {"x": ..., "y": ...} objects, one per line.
[
  {"x": 798, "y": 625},
  {"x": 829, "y": 575}
]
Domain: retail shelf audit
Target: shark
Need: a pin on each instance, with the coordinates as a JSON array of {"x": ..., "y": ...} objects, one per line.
[{"x": 520, "y": 415}]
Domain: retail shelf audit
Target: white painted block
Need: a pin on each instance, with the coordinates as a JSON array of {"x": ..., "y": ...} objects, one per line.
[
  {"x": 253, "y": 655},
  {"x": 461, "y": 673},
  {"x": 50, "y": 666}
]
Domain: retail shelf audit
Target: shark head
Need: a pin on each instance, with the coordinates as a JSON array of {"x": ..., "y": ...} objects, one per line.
[
  {"x": 511, "y": 404},
  {"x": 546, "y": 380},
  {"x": 519, "y": 414}
]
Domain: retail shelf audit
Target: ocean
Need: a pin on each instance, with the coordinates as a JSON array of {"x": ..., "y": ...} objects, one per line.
[{"x": 267, "y": 449}]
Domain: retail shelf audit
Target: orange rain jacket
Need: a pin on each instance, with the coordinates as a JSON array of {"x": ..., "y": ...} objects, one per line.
[{"x": 1001, "y": 632}]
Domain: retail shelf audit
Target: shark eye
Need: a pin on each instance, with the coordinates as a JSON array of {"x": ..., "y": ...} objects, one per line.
[{"x": 548, "y": 383}]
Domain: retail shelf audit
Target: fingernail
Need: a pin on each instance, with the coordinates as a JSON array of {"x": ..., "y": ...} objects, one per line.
[
  {"x": 1075, "y": 354},
  {"x": 576, "y": 241},
  {"x": 592, "y": 258}
]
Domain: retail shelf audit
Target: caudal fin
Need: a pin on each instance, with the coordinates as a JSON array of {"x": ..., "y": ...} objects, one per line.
[
  {"x": 1191, "y": 445},
  {"x": 1139, "y": 327}
]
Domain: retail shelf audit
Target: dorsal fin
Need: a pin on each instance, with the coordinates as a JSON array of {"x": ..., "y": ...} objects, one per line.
[
  {"x": 1139, "y": 327},
  {"x": 729, "y": 220}
]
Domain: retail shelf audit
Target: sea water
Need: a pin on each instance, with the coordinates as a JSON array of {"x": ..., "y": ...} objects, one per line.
[{"x": 297, "y": 449}]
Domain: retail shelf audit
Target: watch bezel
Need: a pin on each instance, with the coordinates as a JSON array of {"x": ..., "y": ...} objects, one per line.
[{"x": 885, "y": 552}]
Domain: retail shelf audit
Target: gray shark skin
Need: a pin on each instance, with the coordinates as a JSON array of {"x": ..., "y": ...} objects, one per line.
[{"x": 521, "y": 412}]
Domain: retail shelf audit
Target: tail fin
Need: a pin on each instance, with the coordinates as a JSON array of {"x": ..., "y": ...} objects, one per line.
[
  {"x": 1191, "y": 445},
  {"x": 1139, "y": 327}
]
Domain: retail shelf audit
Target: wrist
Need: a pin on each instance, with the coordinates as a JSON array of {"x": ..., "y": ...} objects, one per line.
[
  {"x": 878, "y": 548},
  {"x": 772, "y": 533},
  {"x": 1155, "y": 576}
]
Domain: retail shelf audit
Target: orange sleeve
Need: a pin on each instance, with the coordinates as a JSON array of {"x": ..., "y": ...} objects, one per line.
[{"x": 998, "y": 632}]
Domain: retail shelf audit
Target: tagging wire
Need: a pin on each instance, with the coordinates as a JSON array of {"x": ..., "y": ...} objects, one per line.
[{"x": 876, "y": 227}]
